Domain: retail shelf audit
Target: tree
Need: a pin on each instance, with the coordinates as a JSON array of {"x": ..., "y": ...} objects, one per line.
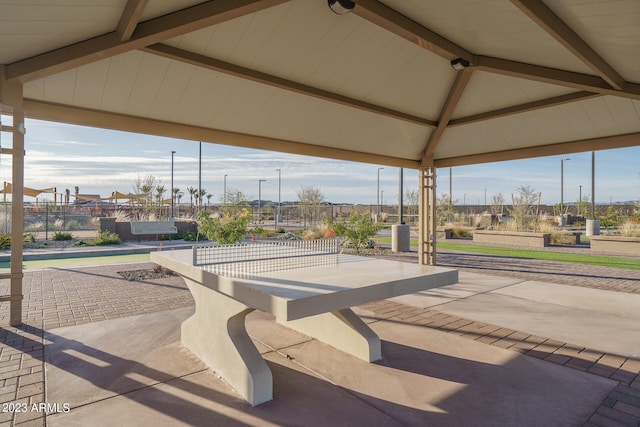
[
  {"x": 497, "y": 204},
  {"x": 444, "y": 209},
  {"x": 357, "y": 230},
  {"x": 582, "y": 205},
  {"x": 522, "y": 209},
  {"x": 200, "y": 195},
  {"x": 411, "y": 197},
  {"x": 310, "y": 199},
  {"x": 236, "y": 201},
  {"x": 192, "y": 193},
  {"x": 160, "y": 190}
]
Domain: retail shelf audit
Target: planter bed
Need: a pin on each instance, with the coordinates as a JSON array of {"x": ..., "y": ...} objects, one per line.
[
  {"x": 514, "y": 238},
  {"x": 616, "y": 245}
]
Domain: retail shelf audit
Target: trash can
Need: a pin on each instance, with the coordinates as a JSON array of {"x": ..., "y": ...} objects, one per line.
[
  {"x": 400, "y": 238},
  {"x": 593, "y": 227}
]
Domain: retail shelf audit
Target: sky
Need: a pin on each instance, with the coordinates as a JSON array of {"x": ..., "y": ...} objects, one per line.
[{"x": 101, "y": 161}]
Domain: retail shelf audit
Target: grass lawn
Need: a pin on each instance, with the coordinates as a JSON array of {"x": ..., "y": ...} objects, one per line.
[{"x": 603, "y": 261}]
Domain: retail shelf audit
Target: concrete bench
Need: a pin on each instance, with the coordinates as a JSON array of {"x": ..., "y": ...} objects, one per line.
[
  {"x": 314, "y": 301},
  {"x": 153, "y": 227}
]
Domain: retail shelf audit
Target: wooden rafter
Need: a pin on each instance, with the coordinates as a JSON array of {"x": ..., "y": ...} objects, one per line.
[
  {"x": 577, "y": 146},
  {"x": 101, "y": 119},
  {"x": 130, "y": 18},
  {"x": 523, "y": 108},
  {"x": 256, "y": 76},
  {"x": 149, "y": 32},
  {"x": 459, "y": 85},
  {"x": 387, "y": 18},
  {"x": 559, "y": 30},
  {"x": 570, "y": 79}
]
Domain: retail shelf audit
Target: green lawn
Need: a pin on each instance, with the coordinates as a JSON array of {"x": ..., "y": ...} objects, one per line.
[{"x": 604, "y": 261}]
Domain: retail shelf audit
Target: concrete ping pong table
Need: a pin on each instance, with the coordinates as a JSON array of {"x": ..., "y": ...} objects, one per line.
[{"x": 308, "y": 287}]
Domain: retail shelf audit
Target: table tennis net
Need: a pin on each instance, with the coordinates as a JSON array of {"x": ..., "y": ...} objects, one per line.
[{"x": 261, "y": 257}]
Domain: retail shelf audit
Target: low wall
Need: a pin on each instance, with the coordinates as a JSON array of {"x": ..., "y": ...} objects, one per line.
[
  {"x": 616, "y": 245},
  {"x": 123, "y": 229},
  {"x": 514, "y": 238}
]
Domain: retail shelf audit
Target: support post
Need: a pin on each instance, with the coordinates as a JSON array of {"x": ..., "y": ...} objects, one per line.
[
  {"x": 11, "y": 101},
  {"x": 427, "y": 222}
]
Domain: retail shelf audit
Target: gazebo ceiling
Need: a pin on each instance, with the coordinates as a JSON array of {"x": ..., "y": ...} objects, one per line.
[{"x": 374, "y": 85}]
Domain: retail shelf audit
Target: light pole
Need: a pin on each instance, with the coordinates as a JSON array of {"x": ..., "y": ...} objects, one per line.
[
  {"x": 562, "y": 185},
  {"x": 172, "y": 192},
  {"x": 378, "y": 196},
  {"x": 260, "y": 181},
  {"x": 224, "y": 194},
  {"x": 278, "y": 212}
]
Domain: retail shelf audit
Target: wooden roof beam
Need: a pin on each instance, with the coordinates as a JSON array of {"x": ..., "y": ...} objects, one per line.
[
  {"x": 130, "y": 18},
  {"x": 387, "y": 18},
  {"x": 584, "y": 82},
  {"x": 577, "y": 146},
  {"x": 523, "y": 108},
  {"x": 146, "y": 33},
  {"x": 213, "y": 64},
  {"x": 554, "y": 26},
  {"x": 459, "y": 85}
]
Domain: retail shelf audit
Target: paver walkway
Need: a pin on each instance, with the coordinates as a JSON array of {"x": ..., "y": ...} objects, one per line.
[{"x": 63, "y": 297}]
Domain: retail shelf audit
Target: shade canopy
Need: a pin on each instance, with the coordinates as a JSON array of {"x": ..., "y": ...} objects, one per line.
[{"x": 375, "y": 84}]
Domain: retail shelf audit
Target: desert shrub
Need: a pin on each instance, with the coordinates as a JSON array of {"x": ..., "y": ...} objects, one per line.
[
  {"x": 62, "y": 235},
  {"x": 225, "y": 229},
  {"x": 106, "y": 238},
  {"x": 58, "y": 223},
  {"x": 630, "y": 229},
  {"x": 261, "y": 231},
  {"x": 356, "y": 231},
  {"x": 5, "y": 241},
  {"x": 73, "y": 224}
]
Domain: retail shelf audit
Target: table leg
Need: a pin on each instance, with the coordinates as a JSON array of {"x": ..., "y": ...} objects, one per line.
[
  {"x": 216, "y": 334},
  {"x": 342, "y": 329}
]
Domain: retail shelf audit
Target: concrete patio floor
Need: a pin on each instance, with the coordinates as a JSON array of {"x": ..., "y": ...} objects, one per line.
[{"x": 489, "y": 351}]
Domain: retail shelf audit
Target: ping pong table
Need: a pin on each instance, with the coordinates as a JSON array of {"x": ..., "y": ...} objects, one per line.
[{"x": 308, "y": 287}]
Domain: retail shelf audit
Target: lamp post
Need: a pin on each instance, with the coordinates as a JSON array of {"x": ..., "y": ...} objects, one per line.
[
  {"x": 378, "y": 196},
  {"x": 260, "y": 181},
  {"x": 224, "y": 194},
  {"x": 172, "y": 192},
  {"x": 278, "y": 211},
  {"x": 562, "y": 185}
]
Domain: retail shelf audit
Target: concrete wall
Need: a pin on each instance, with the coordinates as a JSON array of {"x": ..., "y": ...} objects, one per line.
[
  {"x": 534, "y": 240},
  {"x": 123, "y": 229},
  {"x": 616, "y": 245}
]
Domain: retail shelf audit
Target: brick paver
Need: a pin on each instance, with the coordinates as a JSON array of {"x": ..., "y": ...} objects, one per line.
[{"x": 62, "y": 297}]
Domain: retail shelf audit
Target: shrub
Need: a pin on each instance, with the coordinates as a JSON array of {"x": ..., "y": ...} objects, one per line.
[
  {"x": 5, "y": 241},
  {"x": 106, "y": 238},
  {"x": 62, "y": 235},
  {"x": 629, "y": 229},
  {"x": 73, "y": 224},
  {"x": 357, "y": 230},
  {"x": 226, "y": 229},
  {"x": 262, "y": 232}
]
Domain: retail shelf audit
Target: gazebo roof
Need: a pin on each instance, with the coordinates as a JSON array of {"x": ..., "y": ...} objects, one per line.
[{"x": 375, "y": 85}]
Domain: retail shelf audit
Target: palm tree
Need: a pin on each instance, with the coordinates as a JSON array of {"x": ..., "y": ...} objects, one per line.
[
  {"x": 202, "y": 193},
  {"x": 192, "y": 193}
]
